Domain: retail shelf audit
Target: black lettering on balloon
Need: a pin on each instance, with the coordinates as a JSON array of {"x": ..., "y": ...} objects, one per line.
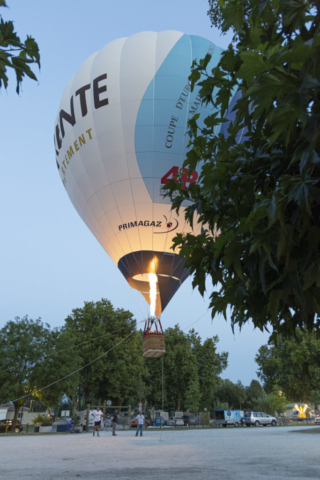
[
  {"x": 98, "y": 90},
  {"x": 54, "y": 141},
  {"x": 58, "y": 138},
  {"x": 68, "y": 117},
  {"x": 83, "y": 102}
]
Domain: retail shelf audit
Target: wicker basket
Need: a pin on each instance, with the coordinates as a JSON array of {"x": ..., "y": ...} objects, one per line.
[{"x": 153, "y": 345}]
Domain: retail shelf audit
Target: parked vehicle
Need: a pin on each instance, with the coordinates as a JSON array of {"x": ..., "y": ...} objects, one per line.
[
  {"x": 317, "y": 420},
  {"x": 259, "y": 418},
  {"x": 189, "y": 420},
  {"x": 4, "y": 423},
  {"x": 156, "y": 421},
  {"x": 175, "y": 421},
  {"x": 228, "y": 417},
  {"x": 83, "y": 419}
]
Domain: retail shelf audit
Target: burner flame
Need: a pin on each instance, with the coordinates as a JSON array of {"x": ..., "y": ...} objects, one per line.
[{"x": 153, "y": 293}]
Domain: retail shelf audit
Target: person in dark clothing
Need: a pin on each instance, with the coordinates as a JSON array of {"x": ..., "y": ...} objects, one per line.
[{"x": 114, "y": 423}]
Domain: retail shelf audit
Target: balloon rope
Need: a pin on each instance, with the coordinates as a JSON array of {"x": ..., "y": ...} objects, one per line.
[{"x": 160, "y": 439}]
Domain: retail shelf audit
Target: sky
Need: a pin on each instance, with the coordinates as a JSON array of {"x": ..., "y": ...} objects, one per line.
[{"x": 50, "y": 263}]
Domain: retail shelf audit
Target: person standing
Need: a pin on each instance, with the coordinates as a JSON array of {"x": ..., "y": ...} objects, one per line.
[
  {"x": 114, "y": 423},
  {"x": 140, "y": 422},
  {"x": 97, "y": 414}
]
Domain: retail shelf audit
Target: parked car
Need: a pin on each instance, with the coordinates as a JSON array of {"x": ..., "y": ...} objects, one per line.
[
  {"x": 190, "y": 420},
  {"x": 175, "y": 421},
  {"x": 317, "y": 420},
  {"x": 4, "y": 423},
  {"x": 259, "y": 418},
  {"x": 156, "y": 421}
]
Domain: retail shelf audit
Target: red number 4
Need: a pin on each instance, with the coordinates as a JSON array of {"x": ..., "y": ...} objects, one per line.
[{"x": 184, "y": 177}]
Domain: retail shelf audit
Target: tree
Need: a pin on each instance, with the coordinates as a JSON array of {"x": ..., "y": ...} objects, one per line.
[
  {"x": 286, "y": 365},
  {"x": 29, "y": 362},
  {"x": 179, "y": 371},
  {"x": 15, "y": 54},
  {"x": 190, "y": 371},
  {"x": 255, "y": 394},
  {"x": 314, "y": 397},
  {"x": 278, "y": 400},
  {"x": 210, "y": 366},
  {"x": 233, "y": 394},
  {"x": 262, "y": 194},
  {"x": 116, "y": 374}
]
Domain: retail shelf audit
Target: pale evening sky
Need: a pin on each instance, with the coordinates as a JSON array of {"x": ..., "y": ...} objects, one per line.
[{"x": 50, "y": 261}]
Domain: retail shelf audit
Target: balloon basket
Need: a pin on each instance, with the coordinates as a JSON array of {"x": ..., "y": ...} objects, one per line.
[{"x": 153, "y": 341}]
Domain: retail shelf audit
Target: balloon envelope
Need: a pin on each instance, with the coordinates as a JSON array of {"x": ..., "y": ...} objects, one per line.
[{"x": 120, "y": 135}]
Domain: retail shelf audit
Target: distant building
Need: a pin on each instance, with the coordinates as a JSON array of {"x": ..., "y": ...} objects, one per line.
[{"x": 24, "y": 415}]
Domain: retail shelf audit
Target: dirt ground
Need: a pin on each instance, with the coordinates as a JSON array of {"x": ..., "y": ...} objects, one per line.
[{"x": 222, "y": 454}]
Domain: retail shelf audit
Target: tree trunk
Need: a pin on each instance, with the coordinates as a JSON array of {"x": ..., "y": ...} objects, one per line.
[
  {"x": 86, "y": 397},
  {"x": 14, "y": 421}
]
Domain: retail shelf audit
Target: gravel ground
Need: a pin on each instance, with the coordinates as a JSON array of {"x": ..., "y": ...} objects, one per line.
[{"x": 222, "y": 454}]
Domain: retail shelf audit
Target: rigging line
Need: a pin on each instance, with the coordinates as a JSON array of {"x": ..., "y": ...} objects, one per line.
[
  {"x": 160, "y": 439},
  {"x": 74, "y": 346},
  {"x": 76, "y": 371},
  {"x": 196, "y": 320}
]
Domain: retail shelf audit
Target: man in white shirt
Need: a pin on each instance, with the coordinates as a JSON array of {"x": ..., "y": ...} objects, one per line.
[
  {"x": 140, "y": 422},
  {"x": 97, "y": 414}
]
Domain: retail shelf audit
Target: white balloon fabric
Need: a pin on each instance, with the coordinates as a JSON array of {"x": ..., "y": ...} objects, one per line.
[{"x": 120, "y": 134}]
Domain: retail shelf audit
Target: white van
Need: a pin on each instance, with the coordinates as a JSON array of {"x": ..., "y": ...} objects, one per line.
[{"x": 83, "y": 418}]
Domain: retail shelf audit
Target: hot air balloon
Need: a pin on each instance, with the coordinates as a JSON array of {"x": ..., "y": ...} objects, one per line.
[{"x": 120, "y": 135}]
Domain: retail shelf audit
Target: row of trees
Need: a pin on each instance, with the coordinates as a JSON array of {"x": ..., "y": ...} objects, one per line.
[
  {"x": 236, "y": 396},
  {"x": 98, "y": 356},
  {"x": 107, "y": 344}
]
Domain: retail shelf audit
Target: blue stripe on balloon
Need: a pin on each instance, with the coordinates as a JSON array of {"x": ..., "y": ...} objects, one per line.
[{"x": 153, "y": 120}]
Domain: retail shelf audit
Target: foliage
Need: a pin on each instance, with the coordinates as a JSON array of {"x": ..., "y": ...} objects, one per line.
[
  {"x": 116, "y": 374},
  {"x": 277, "y": 401},
  {"x": 190, "y": 371},
  {"x": 192, "y": 396},
  {"x": 42, "y": 419},
  {"x": 15, "y": 54},
  {"x": 218, "y": 405},
  {"x": 314, "y": 398},
  {"x": 287, "y": 365},
  {"x": 77, "y": 419},
  {"x": 255, "y": 396},
  {"x": 232, "y": 393},
  {"x": 261, "y": 194},
  {"x": 28, "y": 362},
  {"x": 210, "y": 365}
]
